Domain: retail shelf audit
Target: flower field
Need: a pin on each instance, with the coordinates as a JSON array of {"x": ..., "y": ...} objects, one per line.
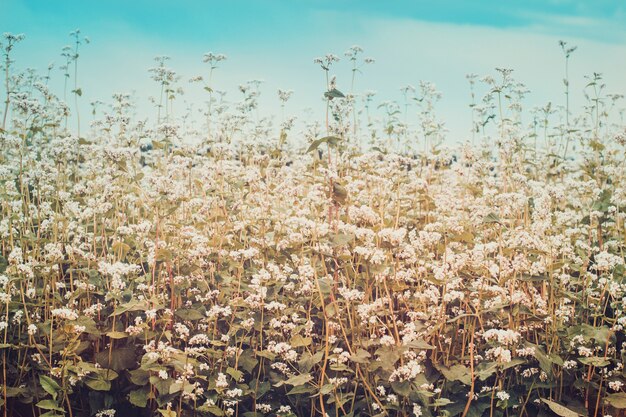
[{"x": 356, "y": 268}]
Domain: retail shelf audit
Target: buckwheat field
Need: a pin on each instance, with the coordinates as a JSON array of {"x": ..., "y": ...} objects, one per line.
[{"x": 237, "y": 265}]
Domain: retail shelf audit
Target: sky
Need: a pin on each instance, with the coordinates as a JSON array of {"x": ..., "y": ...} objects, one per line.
[{"x": 277, "y": 40}]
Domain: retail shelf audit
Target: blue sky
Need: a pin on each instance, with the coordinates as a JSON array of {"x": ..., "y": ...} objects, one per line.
[
  {"x": 237, "y": 20},
  {"x": 438, "y": 41}
]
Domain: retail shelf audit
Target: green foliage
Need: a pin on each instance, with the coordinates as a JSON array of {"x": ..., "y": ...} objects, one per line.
[{"x": 148, "y": 276}]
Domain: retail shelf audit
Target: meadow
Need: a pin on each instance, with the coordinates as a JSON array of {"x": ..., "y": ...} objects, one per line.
[{"x": 356, "y": 266}]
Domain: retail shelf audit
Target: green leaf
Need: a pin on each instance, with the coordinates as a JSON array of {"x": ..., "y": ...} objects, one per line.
[
  {"x": 117, "y": 335},
  {"x": 456, "y": 372},
  {"x": 334, "y": 93},
  {"x": 478, "y": 408},
  {"x": 601, "y": 334},
  {"x": 340, "y": 194},
  {"x": 299, "y": 341},
  {"x": 139, "y": 376},
  {"x": 236, "y": 374},
  {"x": 189, "y": 314},
  {"x": 595, "y": 361},
  {"x": 360, "y": 356},
  {"x": 331, "y": 140},
  {"x": 266, "y": 354},
  {"x": 492, "y": 218},
  {"x": 545, "y": 363},
  {"x": 215, "y": 410},
  {"x": 401, "y": 388},
  {"x": 299, "y": 379},
  {"x": 561, "y": 409},
  {"x": 49, "y": 405},
  {"x": 49, "y": 385},
  {"x": 175, "y": 387},
  {"x": 617, "y": 400},
  {"x": 121, "y": 248},
  {"x": 163, "y": 255},
  {"x": 120, "y": 359},
  {"x": 247, "y": 361},
  {"x": 377, "y": 149},
  {"x": 139, "y": 397},
  {"x": 89, "y": 324},
  {"x": 325, "y": 285},
  {"x": 485, "y": 369},
  {"x": 327, "y": 389},
  {"x": 98, "y": 384},
  {"x": 387, "y": 358},
  {"x": 340, "y": 239},
  {"x": 15, "y": 391},
  {"x": 596, "y": 145},
  {"x": 440, "y": 402},
  {"x": 301, "y": 389},
  {"x": 132, "y": 305},
  {"x": 307, "y": 361},
  {"x": 419, "y": 344}
]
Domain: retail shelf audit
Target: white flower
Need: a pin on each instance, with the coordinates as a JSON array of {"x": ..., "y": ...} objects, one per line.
[
  {"x": 504, "y": 337},
  {"x": 499, "y": 354},
  {"x": 406, "y": 372},
  {"x": 263, "y": 408},
  {"x": 235, "y": 392},
  {"x": 284, "y": 409},
  {"x": 503, "y": 395},
  {"x": 65, "y": 313},
  {"x": 221, "y": 381}
]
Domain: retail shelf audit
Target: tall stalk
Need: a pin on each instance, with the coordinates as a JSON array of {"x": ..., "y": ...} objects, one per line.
[
  {"x": 78, "y": 92},
  {"x": 11, "y": 40},
  {"x": 567, "y": 52}
]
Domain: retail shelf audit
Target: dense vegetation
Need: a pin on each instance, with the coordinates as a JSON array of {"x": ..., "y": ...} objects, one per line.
[{"x": 356, "y": 268}]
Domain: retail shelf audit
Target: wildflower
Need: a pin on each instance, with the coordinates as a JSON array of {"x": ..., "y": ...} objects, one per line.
[
  {"x": 504, "y": 337},
  {"x": 499, "y": 354},
  {"x": 284, "y": 95},
  {"x": 406, "y": 372},
  {"x": 221, "y": 381},
  {"x": 284, "y": 409},
  {"x": 502, "y": 395},
  {"x": 235, "y": 392},
  {"x": 65, "y": 313},
  {"x": 263, "y": 408}
]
